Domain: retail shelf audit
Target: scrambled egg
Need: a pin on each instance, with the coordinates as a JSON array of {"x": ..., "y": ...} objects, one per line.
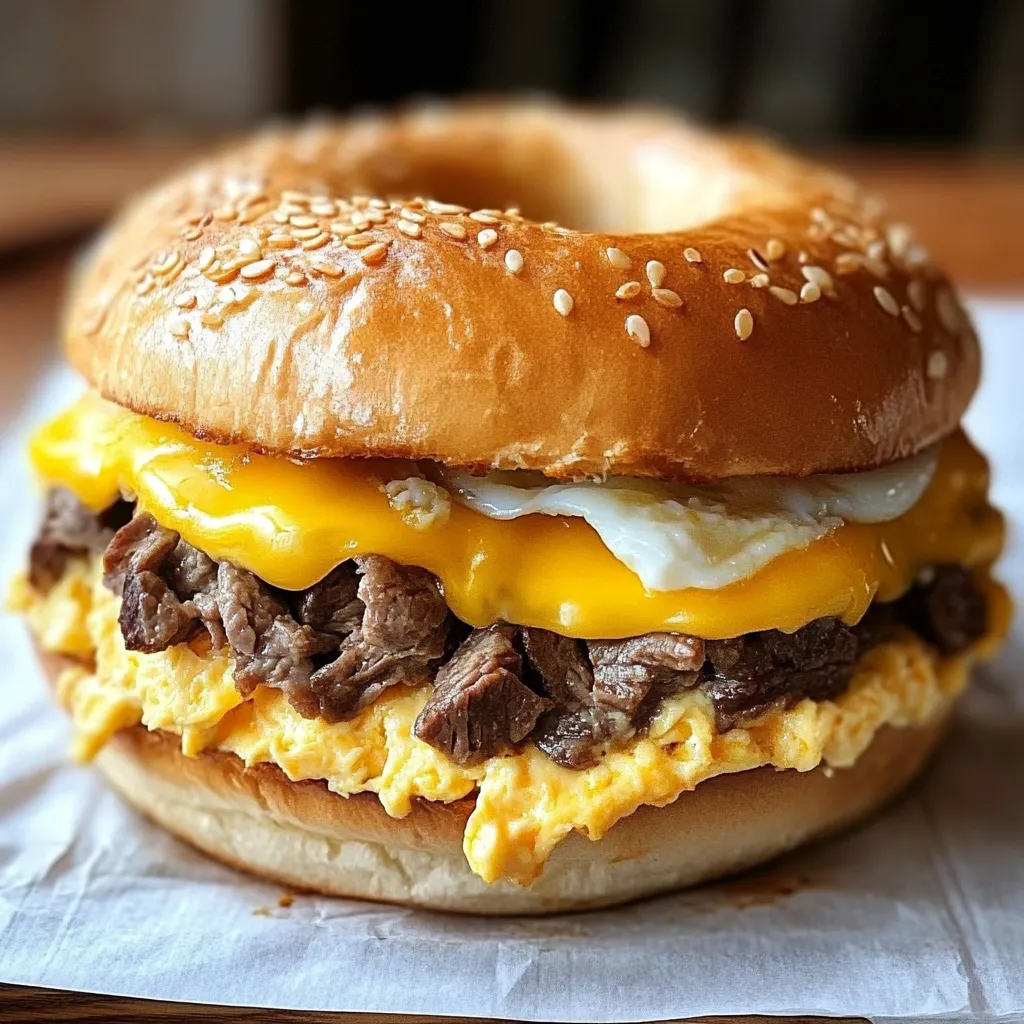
[{"x": 525, "y": 803}]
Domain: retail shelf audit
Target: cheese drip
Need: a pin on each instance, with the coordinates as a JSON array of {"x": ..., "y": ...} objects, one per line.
[{"x": 291, "y": 521}]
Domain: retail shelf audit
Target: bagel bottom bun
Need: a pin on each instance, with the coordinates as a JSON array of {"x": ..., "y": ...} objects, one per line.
[{"x": 302, "y": 835}]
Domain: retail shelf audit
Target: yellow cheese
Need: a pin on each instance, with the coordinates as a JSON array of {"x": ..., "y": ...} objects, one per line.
[
  {"x": 291, "y": 522},
  {"x": 525, "y": 803}
]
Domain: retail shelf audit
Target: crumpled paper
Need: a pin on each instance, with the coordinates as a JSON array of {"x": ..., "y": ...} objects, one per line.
[{"x": 919, "y": 914}]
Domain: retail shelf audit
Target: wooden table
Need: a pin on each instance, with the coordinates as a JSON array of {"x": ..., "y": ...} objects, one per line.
[{"x": 970, "y": 214}]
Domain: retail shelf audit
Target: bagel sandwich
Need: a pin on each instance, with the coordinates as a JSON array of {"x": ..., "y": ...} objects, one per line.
[{"x": 510, "y": 508}]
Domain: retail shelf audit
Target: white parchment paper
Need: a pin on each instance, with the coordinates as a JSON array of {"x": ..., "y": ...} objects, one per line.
[{"x": 919, "y": 914}]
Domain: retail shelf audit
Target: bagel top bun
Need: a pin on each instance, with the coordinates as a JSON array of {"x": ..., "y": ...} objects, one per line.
[{"x": 713, "y": 306}]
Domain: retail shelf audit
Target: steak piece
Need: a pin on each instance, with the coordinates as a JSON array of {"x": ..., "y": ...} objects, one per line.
[
  {"x": 480, "y": 706},
  {"x": 282, "y": 657},
  {"x": 332, "y": 605},
  {"x": 152, "y": 615},
  {"x": 70, "y": 528},
  {"x": 948, "y": 611},
  {"x": 404, "y": 607},
  {"x": 562, "y": 664},
  {"x": 626, "y": 670},
  {"x": 579, "y": 738},
  {"x": 753, "y": 673}
]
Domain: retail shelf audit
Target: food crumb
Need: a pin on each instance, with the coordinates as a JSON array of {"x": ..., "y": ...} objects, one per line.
[
  {"x": 286, "y": 900},
  {"x": 260, "y": 912}
]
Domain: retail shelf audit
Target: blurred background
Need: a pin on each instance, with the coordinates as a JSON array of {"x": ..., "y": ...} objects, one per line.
[{"x": 922, "y": 99}]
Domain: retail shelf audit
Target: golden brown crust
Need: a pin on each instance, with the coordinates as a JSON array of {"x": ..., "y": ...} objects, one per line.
[{"x": 433, "y": 348}]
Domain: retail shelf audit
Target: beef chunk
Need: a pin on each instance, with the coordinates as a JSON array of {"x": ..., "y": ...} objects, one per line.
[
  {"x": 758, "y": 671},
  {"x": 404, "y": 607},
  {"x": 70, "y": 528},
  {"x": 142, "y": 545},
  {"x": 626, "y": 670},
  {"x": 578, "y": 738},
  {"x": 562, "y": 665},
  {"x": 948, "y": 611},
  {"x": 247, "y": 607},
  {"x": 151, "y": 617},
  {"x": 396, "y": 623},
  {"x": 332, "y": 605},
  {"x": 282, "y": 657},
  {"x": 480, "y": 706},
  {"x": 355, "y": 679}
]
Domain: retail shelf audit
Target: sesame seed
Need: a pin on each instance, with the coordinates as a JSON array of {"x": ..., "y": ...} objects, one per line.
[
  {"x": 249, "y": 247},
  {"x": 186, "y": 300},
  {"x": 359, "y": 241},
  {"x": 734, "y": 276},
  {"x": 848, "y": 262},
  {"x": 562, "y": 302},
  {"x": 316, "y": 242},
  {"x": 617, "y": 258},
  {"x": 378, "y": 204},
  {"x": 948, "y": 310},
  {"x": 190, "y": 234},
  {"x": 206, "y": 258},
  {"x": 757, "y": 259},
  {"x": 655, "y": 273},
  {"x": 774, "y": 249},
  {"x": 144, "y": 286},
  {"x": 912, "y": 319},
  {"x": 444, "y": 208},
  {"x": 691, "y": 255},
  {"x": 819, "y": 276},
  {"x": 877, "y": 267},
  {"x": 819, "y": 216},
  {"x": 281, "y": 216},
  {"x": 760, "y": 281},
  {"x": 323, "y": 209},
  {"x": 487, "y": 238},
  {"x": 482, "y": 217},
  {"x": 810, "y": 292},
  {"x": 342, "y": 230},
  {"x": 325, "y": 267},
  {"x": 226, "y": 294},
  {"x": 938, "y": 365},
  {"x": 374, "y": 253},
  {"x": 414, "y": 215},
  {"x": 304, "y": 233},
  {"x": 277, "y": 241},
  {"x": 787, "y": 295},
  {"x": 666, "y": 297},
  {"x": 916, "y": 256},
  {"x": 452, "y": 229},
  {"x": 302, "y": 220},
  {"x": 180, "y": 328},
  {"x": 410, "y": 228},
  {"x": 290, "y": 195},
  {"x": 916, "y": 294},
  {"x": 743, "y": 324},
  {"x": 295, "y": 277},
  {"x": 166, "y": 262},
  {"x": 637, "y": 329},
  {"x": 876, "y": 249},
  {"x": 260, "y": 268},
  {"x": 802, "y": 257},
  {"x": 629, "y": 290},
  {"x": 514, "y": 261},
  {"x": 884, "y": 298},
  {"x": 899, "y": 237},
  {"x": 225, "y": 212},
  {"x": 212, "y": 318}
]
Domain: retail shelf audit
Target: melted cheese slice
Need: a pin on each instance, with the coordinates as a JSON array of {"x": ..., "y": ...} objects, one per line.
[
  {"x": 525, "y": 803},
  {"x": 291, "y": 522}
]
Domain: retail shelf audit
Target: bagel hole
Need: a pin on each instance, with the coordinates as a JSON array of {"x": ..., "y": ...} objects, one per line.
[{"x": 630, "y": 189}]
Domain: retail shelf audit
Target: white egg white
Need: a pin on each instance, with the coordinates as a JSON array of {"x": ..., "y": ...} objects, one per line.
[{"x": 679, "y": 535}]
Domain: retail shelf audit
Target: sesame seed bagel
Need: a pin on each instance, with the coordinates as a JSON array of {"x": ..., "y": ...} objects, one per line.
[{"x": 714, "y": 307}]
